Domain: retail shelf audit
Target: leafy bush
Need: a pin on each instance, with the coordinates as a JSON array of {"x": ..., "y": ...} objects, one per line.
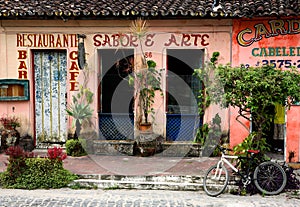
[
  {"x": 28, "y": 172},
  {"x": 16, "y": 164},
  {"x": 252, "y": 142},
  {"x": 44, "y": 173},
  {"x": 74, "y": 148}
]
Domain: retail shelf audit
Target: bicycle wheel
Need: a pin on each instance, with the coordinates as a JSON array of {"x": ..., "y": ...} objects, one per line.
[
  {"x": 269, "y": 178},
  {"x": 215, "y": 180}
]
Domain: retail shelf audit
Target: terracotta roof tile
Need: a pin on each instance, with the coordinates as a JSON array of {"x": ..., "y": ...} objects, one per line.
[{"x": 146, "y": 8}]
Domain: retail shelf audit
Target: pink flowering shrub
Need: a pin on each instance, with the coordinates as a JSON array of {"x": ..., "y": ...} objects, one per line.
[{"x": 56, "y": 153}]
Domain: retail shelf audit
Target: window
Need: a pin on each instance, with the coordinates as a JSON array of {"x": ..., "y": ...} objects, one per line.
[{"x": 14, "y": 90}]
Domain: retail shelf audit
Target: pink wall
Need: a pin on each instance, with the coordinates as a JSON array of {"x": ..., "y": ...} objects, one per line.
[
  {"x": 239, "y": 127},
  {"x": 274, "y": 42},
  {"x": 293, "y": 133}
]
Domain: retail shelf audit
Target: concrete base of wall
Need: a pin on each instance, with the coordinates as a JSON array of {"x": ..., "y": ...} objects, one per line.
[{"x": 131, "y": 147}]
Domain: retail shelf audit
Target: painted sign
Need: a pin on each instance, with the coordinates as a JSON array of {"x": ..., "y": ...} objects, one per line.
[
  {"x": 49, "y": 41},
  {"x": 170, "y": 40},
  {"x": 267, "y": 42}
]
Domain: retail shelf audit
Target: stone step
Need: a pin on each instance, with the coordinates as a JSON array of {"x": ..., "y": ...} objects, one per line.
[
  {"x": 140, "y": 185},
  {"x": 163, "y": 182},
  {"x": 145, "y": 178}
]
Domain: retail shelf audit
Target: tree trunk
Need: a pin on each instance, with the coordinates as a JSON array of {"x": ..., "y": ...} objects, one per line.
[{"x": 77, "y": 130}]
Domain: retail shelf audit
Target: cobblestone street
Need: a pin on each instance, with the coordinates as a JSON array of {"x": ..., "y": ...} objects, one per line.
[{"x": 136, "y": 198}]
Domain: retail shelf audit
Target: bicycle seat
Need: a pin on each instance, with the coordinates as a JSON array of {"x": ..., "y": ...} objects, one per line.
[{"x": 253, "y": 151}]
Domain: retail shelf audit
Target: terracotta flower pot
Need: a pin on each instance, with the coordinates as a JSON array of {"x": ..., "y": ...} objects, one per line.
[{"x": 145, "y": 127}]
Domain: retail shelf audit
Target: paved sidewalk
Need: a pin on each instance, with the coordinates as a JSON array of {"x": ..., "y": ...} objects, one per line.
[{"x": 132, "y": 165}]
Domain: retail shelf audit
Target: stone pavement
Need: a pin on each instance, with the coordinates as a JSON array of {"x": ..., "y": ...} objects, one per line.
[
  {"x": 135, "y": 198},
  {"x": 156, "y": 172}
]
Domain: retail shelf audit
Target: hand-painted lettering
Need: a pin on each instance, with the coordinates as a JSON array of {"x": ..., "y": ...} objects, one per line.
[
  {"x": 46, "y": 40},
  {"x": 270, "y": 29}
]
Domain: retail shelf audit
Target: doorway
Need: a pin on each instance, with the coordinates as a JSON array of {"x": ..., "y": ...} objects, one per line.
[
  {"x": 50, "y": 82},
  {"x": 183, "y": 89},
  {"x": 115, "y": 94}
]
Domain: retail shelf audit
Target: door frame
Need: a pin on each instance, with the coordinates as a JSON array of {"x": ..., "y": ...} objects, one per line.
[{"x": 33, "y": 86}]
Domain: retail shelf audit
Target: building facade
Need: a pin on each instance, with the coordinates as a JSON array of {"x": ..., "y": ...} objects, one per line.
[{"x": 40, "y": 70}]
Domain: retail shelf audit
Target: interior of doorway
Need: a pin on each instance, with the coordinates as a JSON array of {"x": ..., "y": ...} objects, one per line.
[
  {"x": 276, "y": 134},
  {"x": 116, "y": 65}
]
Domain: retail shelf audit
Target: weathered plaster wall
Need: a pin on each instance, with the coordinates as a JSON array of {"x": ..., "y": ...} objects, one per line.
[{"x": 218, "y": 39}]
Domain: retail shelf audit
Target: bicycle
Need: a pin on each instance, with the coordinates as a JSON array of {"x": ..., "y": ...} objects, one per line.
[{"x": 268, "y": 177}]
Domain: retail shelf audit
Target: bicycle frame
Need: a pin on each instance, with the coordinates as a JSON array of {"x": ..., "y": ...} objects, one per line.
[
  {"x": 245, "y": 177},
  {"x": 224, "y": 160}
]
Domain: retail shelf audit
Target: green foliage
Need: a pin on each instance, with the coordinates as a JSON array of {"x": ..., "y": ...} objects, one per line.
[
  {"x": 252, "y": 143},
  {"x": 80, "y": 108},
  {"x": 212, "y": 88},
  {"x": 202, "y": 134},
  {"x": 74, "y": 148},
  {"x": 80, "y": 112},
  {"x": 28, "y": 172},
  {"x": 256, "y": 90},
  {"x": 253, "y": 90},
  {"x": 151, "y": 64},
  {"x": 16, "y": 164},
  {"x": 209, "y": 135},
  {"x": 147, "y": 82},
  {"x": 39, "y": 173}
]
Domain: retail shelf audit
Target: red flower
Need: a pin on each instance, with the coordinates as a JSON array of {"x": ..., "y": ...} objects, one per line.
[{"x": 56, "y": 153}]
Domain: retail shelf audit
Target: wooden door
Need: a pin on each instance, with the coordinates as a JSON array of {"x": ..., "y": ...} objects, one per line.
[{"x": 50, "y": 74}]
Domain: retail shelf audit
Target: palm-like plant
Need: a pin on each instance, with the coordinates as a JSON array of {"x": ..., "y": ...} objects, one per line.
[
  {"x": 80, "y": 109},
  {"x": 146, "y": 79}
]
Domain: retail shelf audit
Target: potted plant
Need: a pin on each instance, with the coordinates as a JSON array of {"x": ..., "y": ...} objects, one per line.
[
  {"x": 9, "y": 122},
  {"x": 147, "y": 82},
  {"x": 9, "y": 135},
  {"x": 146, "y": 79}
]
